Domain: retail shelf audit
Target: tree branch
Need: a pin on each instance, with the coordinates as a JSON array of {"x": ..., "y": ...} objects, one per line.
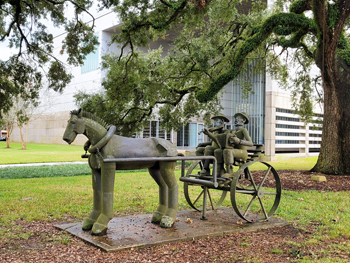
[
  {"x": 172, "y": 18},
  {"x": 249, "y": 45},
  {"x": 343, "y": 15},
  {"x": 301, "y": 6}
]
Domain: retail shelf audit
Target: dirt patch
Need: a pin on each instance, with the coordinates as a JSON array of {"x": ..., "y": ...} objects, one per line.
[
  {"x": 42, "y": 242},
  {"x": 301, "y": 180}
]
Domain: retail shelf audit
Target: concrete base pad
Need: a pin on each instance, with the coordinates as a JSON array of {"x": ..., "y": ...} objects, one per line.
[{"x": 138, "y": 231}]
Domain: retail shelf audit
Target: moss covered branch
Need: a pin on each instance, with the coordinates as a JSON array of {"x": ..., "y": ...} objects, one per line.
[{"x": 282, "y": 19}]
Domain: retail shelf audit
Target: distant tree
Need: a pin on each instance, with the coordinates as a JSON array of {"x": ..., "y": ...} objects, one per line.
[
  {"x": 24, "y": 112},
  {"x": 24, "y": 25},
  {"x": 9, "y": 120}
]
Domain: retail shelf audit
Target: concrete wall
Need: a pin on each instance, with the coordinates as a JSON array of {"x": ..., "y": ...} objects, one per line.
[{"x": 47, "y": 128}]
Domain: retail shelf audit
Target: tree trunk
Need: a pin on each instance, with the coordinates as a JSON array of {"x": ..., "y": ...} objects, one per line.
[
  {"x": 22, "y": 139},
  {"x": 335, "y": 147},
  {"x": 9, "y": 131},
  {"x": 26, "y": 140}
]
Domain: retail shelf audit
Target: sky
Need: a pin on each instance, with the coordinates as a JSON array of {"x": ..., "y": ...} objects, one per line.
[{"x": 6, "y": 52}]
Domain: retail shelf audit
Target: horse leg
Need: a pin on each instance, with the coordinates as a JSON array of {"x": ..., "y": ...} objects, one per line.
[
  {"x": 96, "y": 209},
  {"x": 168, "y": 175},
  {"x": 163, "y": 194},
  {"x": 107, "y": 186}
]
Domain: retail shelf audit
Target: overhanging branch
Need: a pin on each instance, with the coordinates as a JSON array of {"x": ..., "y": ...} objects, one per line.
[{"x": 249, "y": 45}]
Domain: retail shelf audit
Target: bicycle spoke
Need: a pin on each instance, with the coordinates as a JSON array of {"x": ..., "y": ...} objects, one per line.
[
  {"x": 252, "y": 179},
  {"x": 250, "y": 204},
  {"x": 263, "y": 180},
  {"x": 198, "y": 197},
  {"x": 263, "y": 208},
  {"x": 269, "y": 193}
]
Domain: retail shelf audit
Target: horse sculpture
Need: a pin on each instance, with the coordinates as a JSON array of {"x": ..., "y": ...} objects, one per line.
[{"x": 105, "y": 144}]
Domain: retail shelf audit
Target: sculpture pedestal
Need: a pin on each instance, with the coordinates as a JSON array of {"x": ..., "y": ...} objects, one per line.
[{"x": 138, "y": 231}]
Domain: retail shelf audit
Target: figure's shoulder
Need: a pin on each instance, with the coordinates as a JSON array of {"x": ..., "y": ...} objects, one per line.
[{"x": 242, "y": 131}]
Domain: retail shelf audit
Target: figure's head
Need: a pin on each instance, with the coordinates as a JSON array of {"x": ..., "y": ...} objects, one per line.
[
  {"x": 219, "y": 120},
  {"x": 74, "y": 127},
  {"x": 241, "y": 118}
]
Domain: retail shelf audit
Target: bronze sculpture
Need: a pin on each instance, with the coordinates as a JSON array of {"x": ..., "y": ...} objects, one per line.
[
  {"x": 226, "y": 145},
  {"x": 216, "y": 134},
  {"x": 238, "y": 140},
  {"x": 103, "y": 143},
  {"x": 254, "y": 197}
]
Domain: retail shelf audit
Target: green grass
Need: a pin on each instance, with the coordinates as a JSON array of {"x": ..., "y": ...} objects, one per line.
[
  {"x": 58, "y": 198},
  {"x": 69, "y": 198},
  {"x": 44, "y": 171},
  {"x": 40, "y": 153}
]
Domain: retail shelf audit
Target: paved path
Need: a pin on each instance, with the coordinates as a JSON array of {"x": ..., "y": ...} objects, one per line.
[{"x": 39, "y": 164}]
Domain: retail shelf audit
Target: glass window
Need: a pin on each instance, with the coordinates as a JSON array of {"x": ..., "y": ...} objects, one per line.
[
  {"x": 193, "y": 133},
  {"x": 154, "y": 129},
  {"x": 180, "y": 136},
  {"x": 254, "y": 103},
  {"x": 200, "y": 136},
  {"x": 188, "y": 136},
  {"x": 91, "y": 61}
]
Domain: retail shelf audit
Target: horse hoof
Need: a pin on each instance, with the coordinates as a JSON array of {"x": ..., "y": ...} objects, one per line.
[
  {"x": 167, "y": 222},
  {"x": 99, "y": 229},
  {"x": 88, "y": 223},
  {"x": 157, "y": 217}
]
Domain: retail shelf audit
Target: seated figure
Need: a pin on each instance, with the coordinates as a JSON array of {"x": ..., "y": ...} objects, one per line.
[
  {"x": 217, "y": 134},
  {"x": 237, "y": 141}
]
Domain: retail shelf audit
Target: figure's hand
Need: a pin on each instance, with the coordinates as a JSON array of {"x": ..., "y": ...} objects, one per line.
[
  {"x": 205, "y": 131},
  {"x": 200, "y": 145},
  {"x": 234, "y": 140}
]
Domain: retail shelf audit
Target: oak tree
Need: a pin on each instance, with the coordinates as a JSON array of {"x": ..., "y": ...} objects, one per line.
[
  {"x": 213, "y": 43},
  {"x": 24, "y": 26}
]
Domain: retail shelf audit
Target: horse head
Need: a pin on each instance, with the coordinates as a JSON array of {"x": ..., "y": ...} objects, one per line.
[{"x": 75, "y": 126}]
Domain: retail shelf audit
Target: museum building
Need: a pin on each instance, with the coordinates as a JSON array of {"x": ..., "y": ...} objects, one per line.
[{"x": 272, "y": 119}]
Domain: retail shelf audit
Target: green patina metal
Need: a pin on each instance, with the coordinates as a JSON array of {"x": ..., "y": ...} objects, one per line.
[
  {"x": 104, "y": 144},
  {"x": 246, "y": 188},
  {"x": 110, "y": 152}
]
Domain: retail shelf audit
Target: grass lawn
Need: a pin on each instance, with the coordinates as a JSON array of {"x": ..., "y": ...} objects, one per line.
[
  {"x": 43, "y": 153},
  {"x": 69, "y": 198},
  {"x": 40, "y": 153}
]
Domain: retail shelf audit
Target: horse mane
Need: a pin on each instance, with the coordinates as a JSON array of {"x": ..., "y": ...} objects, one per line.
[{"x": 91, "y": 116}]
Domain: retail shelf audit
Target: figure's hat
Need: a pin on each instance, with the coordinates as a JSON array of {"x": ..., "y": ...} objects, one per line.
[
  {"x": 221, "y": 116},
  {"x": 245, "y": 115}
]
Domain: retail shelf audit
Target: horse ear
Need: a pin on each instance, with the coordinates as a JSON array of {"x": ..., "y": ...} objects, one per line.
[{"x": 80, "y": 113}]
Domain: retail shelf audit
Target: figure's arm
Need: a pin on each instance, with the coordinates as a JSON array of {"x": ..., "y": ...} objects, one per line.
[
  {"x": 211, "y": 136},
  {"x": 234, "y": 140},
  {"x": 247, "y": 140},
  {"x": 203, "y": 144}
]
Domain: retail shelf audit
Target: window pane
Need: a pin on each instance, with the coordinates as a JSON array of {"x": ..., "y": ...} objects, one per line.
[
  {"x": 154, "y": 128},
  {"x": 201, "y": 136},
  {"x": 180, "y": 135},
  {"x": 146, "y": 130},
  {"x": 91, "y": 61},
  {"x": 186, "y": 135},
  {"x": 193, "y": 134}
]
